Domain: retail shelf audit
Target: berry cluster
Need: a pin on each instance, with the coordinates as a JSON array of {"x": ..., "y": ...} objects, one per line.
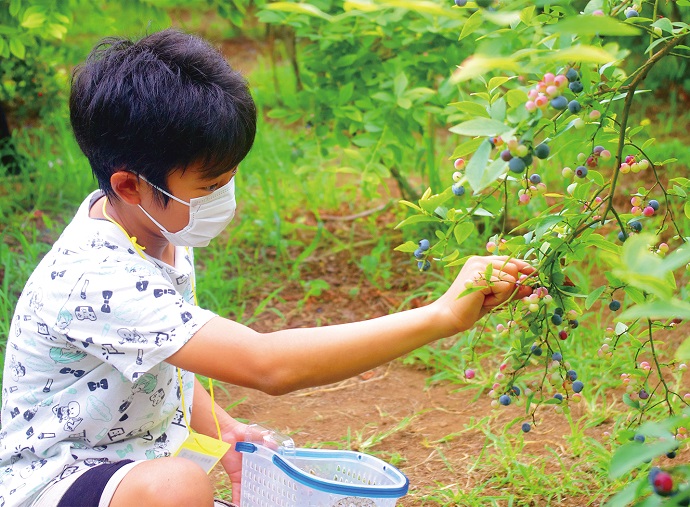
[
  {"x": 549, "y": 92},
  {"x": 631, "y": 164},
  {"x": 420, "y": 254}
]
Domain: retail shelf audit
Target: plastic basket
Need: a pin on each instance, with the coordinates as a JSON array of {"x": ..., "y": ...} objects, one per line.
[{"x": 282, "y": 476}]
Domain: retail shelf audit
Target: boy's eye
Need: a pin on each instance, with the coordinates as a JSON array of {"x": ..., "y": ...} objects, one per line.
[{"x": 213, "y": 187}]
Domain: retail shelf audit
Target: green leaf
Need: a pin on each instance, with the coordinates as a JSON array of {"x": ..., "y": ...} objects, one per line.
[
  {"x": 633, "y": 454},
  {"x": 630, "y": 402},
  {"x": 627, "y": 495},
  {"x": 400, "y": 84},
  {"x": 665, "y": 24},
  {"x": 17, "y": 48},
  {"x": 15, "y": 6},
  {"x": 33, "y": 20},
  {"x": 592, "y": 25},
  {"x": 491, "y": 173},
  {"x": 471, "y": 108},
  {"x": 481, "y": 127},
  {"x": 468, "y": 147},
  {"x": 299, "y": 8},
  {"x": 659, "y": 309},
  {"x": 471, "y": 25},
  {"x": 408, "y": 247},
  {"x": 593, "y": 297},
  {"x": 581, "y": 53},
  {"x": 477, "y": 164},
  {"x": 463, "y": 231},
  {"x": 686, "y": 209},
  {"x": 416, "y": 219}
]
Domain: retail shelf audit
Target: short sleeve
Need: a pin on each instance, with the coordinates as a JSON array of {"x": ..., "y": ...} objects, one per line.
[{"x": 126, "y": 313}]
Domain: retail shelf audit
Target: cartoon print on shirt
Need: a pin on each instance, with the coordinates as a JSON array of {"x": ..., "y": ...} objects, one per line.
[
  {"x": 26, "y": 472},
  {"x": 107, "y": 294},
  {"x": 67, "y": 354},
  {"x": 35, "y": 299},
  {"x": 146, "y": 384},
  {"x": 160, "y": 448},
  {"x": 68, "y": 414},
  {"x": 142, "y": 284},
  {"x": 84, "y": 313},
  {"x": 18, "y": 370},
  {"x": 161, "y": 338},
  {"x": 64, "y": 319},
  {"x": 130, "y": 336},
  {"x": 157, "y": 397}
]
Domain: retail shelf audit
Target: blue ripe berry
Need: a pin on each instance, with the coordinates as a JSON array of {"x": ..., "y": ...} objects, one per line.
[
  {"x": 573, "y": 323},
  {"x": 556, "y": 319},
  {"x": 557, "y": 356},
  {"x": 639, "y": 438},
  {"x": 542, "y": 151},
  {"x": 535, "y": 178},
  {"x": 526, "y": 427},
  {"x": 578, "y": 386},
  {"x": 643, "y": 394},
  {"x": 506, "y": 155},
  {"x": 418, "y": 254},
  {"x": 424, "y": 245},
  {"x": 635, "y": 226},
  {"x": 515, "y": 390},
  {"x": 558, "y": 396},
  {"x": 671, "y": 454},
  {"x": 574, "y": 106},
  {"x": 581, "y": 171},
  {"x": 527, "y": 159},
  {"x": 558, "y": 311},
  {"x": 615, "y": 305},
  {"x": 516, "y": 165},
  {"x": 559, "y": 102},
  {"x": 572, "y": 75},
  {"x": 424, "y": 265},
  {"x": 631, "y": 13},
  {"x": 536, "y": 350},
  {"x": 576, "y": 87},
  {"x": 504, "y": 400},
  {"x": 654, "y": 204},
  {"x": 458, "y": 190},
  {"x": 572, "y": 375},
  {"x": 622, "y": 236}
]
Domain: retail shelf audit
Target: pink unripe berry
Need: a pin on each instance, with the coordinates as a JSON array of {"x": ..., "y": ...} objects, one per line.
[
  {"x": 595, "y": 114},
  {"x": 549, "y": 77},
  {"x": 648, "y": 211},
  {"x": 645, "y": 365},
  {"x": 598, "y": 12},
  {"x": 531, "y": 106},
  {"x": 541, "y": 87},
  {"x": 541, "y": 101},
  {"x": 625, "y": 168},
  {"x": 524, "y": 199},
  {"x": 503, "y": 367},
  {"x": 532, "y": 94},
  {"x": 592, "y": 162},
  {"x": 636, "y": 200},
  {"x": 605, "y": 155},
  {"x": 512, "y": 144},
  {"x": 663, "y": 247},
  {"x": 682, "y": 366},
  {"x": 686, "y": 397},
  {"x": 469, "y": 374},
  {"x": 552, "y": 90},
  {"x": 500, "y": 328},
  {"x": 560, "y": 80},
  {"x": 500, "y": 376},
  {"x": 644, "y": 164},
  {"x": 491, "y": 246},
  {"x": 636, "y": 211},
  {"x": 630, "y": 159},
  {"x": 598, "y": 200},
  {"x": 597, "y": 150},
  {"x": 459, "y": 163}
]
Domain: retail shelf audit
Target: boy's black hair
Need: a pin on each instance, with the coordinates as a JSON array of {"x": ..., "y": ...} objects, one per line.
[{"x": 159, "y": 104}]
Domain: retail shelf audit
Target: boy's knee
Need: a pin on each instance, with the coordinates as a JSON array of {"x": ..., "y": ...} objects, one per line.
[{"x": 165, "y": 481}]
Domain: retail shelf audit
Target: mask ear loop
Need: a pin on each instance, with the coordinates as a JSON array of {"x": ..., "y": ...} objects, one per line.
[{"x": 140, "y": 249}]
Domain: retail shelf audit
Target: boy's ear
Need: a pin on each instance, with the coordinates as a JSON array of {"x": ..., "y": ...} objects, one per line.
[{"x": 127, "y": 186}]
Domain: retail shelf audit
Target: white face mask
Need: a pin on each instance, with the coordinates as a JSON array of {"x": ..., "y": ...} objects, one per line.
[{"x": 208, "y": 216}]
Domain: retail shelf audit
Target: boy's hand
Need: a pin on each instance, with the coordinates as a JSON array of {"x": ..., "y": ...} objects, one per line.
[
  {"x": 232, "y": 461},
  {"x": 465, "y": 311}
]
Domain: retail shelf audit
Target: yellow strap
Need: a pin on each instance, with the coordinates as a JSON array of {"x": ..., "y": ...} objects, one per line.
[{"x": 140, "y": 249}]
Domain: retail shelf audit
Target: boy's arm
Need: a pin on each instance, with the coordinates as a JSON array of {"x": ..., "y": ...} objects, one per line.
[
  {"x": 283, "y": 361},
  {"x": 230, "y": 429}
]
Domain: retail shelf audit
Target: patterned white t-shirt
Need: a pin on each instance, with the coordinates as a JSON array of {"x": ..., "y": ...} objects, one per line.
[{"x": 85, "y": 378}]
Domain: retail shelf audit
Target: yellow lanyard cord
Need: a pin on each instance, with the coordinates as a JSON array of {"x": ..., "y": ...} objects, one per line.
[{"x": 140, "y": 249}]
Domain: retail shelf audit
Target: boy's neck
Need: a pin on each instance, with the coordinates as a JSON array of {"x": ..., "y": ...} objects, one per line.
[{"x": 157, "y": 247}]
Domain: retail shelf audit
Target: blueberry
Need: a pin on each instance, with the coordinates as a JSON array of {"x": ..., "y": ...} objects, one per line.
[
  {"x": 542, "y": 151},
  {"x": 558, "y": 396},
  {"x": 654, "y": 204},
  {"x": 424, "y": 245},
  {"x": 581, "y": 171},
  {"x": 572, "y": 75},
  {"x": 576, "y": 87},
  {"x": 527, "y": 159},
  {"x": 573, "y": 323},
  {"x": 516, "y": 165},
  {"x": 572, "y": 375},
  {"x": 574, "y": 106},
  {"x": 526, "y": 427},
  {"x": 558, "y": 311},
  {"x": 671, "y": 454},
  {"x": 622, "y": 236},
  {"x": 535, "y": 178},
  {"x": 635, "y": 226},
  {"x": 631, "y": 13},
  {"x": 424, "y": 265},
  {"x": 643, "y": 394},
  {"x": 418, "y": 254},
  {"x": 578, "y": 386},
  {"x": 536, "y": 350},
  {"x": 615, "y": 305},
  {"x": 506, "y": 155},
  {"x": 653, "y": 472},
  {"x": 515, "y": 390},
  {"x": 458, "y": 190},
  {"x": 639, "y": 438},
  {"x": 559, "y": 102},
  {"x": 556, "y": 319},
  {"x": 504, "y": 400},
  {"x": 557, "y": 356}
]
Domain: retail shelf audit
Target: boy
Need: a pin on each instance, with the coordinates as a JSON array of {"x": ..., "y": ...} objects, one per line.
[{"x": 106, "y": 337}]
